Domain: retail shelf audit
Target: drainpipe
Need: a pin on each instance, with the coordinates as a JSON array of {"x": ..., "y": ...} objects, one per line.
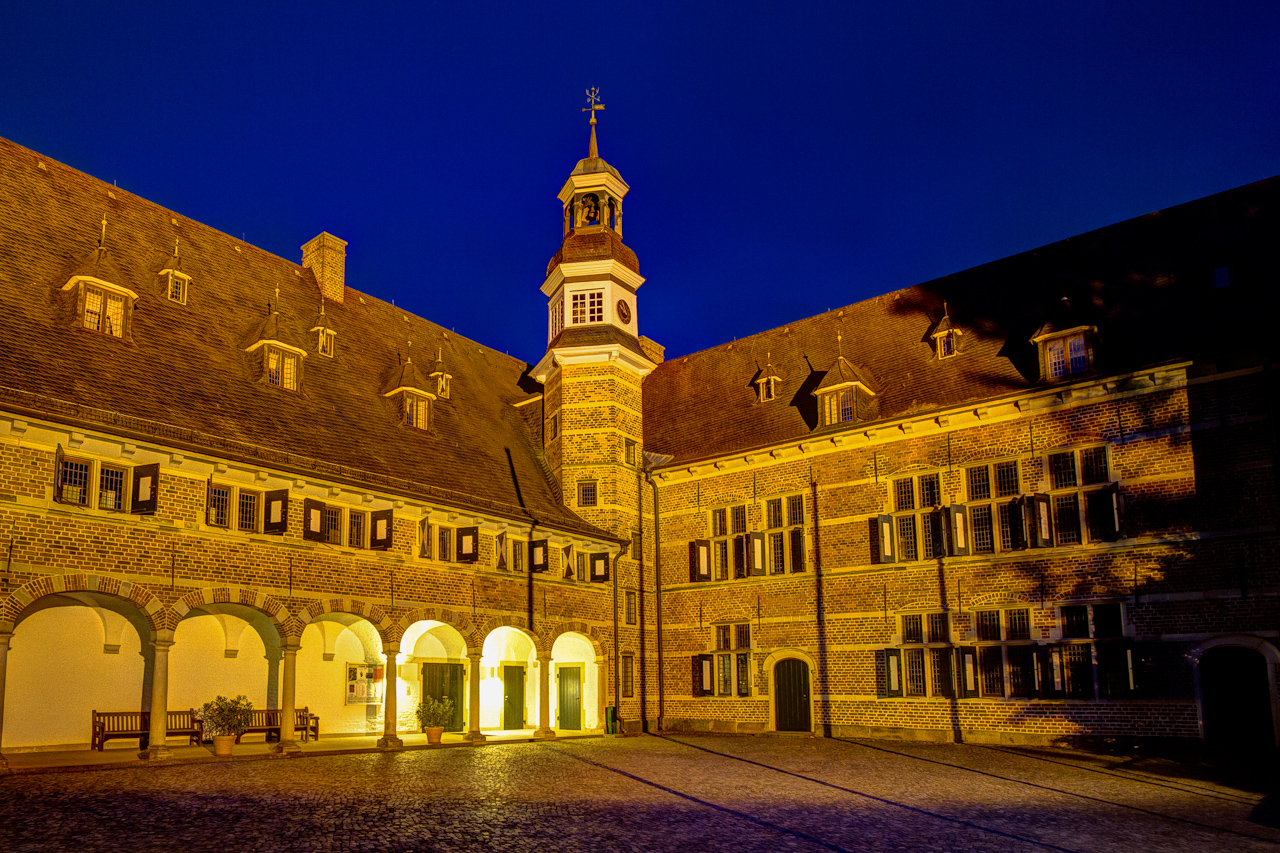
[{"x": 617, "y": 661}]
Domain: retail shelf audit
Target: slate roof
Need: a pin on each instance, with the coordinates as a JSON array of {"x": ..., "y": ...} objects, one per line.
[
  {"x": 182, "y": 374},
  {"x": 1147, "y": 284}
]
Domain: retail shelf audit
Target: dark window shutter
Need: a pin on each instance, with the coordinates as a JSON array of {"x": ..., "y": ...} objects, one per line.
[
  {"x": 1041, "y": 533},
  {"x": 208, "y": 502},
  {"x": 1103, "y": 510},
  {"x": 938, "y": 532},
  {"x": 275, "y": 514},
  {"x": 739, "y": 556},
  {"x": 146, "y": 489},
  {"x": 57, "y": 455},
  {"x": 538, "y": 555},
  {"x": 882, "y": 536},
  {"x": 699, "y": 560},
  {"x": 380, "y": 526},
  {"x": 959, "y": 518},
  {"x": 755, "y": 553},
  {"x": 966, "y": 672},
  {"x": 1049, "y": 671},
  {"x": 798, "y": 563},
  {"x": 599, "y": 568},
  {"x": 696, "y": 685},
  {"x": 705, "y": 674},
  {"x": 744, "y": 673},
  {"x": 566, "y": 559},
  {"x": 946, "y": 676},
  {"x": 1018, "y": 523},
  {"x": 500, "y": 546},
  {"x": 312, "y": 519},
  {"x": 892, "y": 673},
  {"x": 468, "y": 545}
]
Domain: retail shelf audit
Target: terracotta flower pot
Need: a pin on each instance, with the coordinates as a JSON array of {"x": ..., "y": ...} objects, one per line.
[
  {"x": 433, "y": 733},
  {"x": 222, "y": 744}
]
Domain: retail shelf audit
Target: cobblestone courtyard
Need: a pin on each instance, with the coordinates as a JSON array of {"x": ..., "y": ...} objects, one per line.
[{"x": 645, "y": 794}]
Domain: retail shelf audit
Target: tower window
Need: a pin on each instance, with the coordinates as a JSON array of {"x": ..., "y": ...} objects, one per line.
[
  {"x": 557, "y": 317},
  {"x": 587, "y": 493},
  {"x": 588, "y": 307}
]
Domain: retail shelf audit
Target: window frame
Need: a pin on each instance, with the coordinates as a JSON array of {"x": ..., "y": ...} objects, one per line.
[
  {"x": 1071, "y": 498},
  {"x": 184, "y": 282},
  {"x": 105, "y": 295},
  {"x": 731, "y": 676},
  {"x": 785, "y": 534},
  {"x": 588, "y": 493},
  {"x": 995, "y": 504},
  {"x": 413, "y": 407},
  {"x": 922, "y": 636},
  {"x": 326, "y": 342},
  {"x": 279, "y": 377}
]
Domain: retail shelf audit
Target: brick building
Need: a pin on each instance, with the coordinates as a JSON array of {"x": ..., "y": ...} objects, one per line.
[{"x": 1029, "y": 502}]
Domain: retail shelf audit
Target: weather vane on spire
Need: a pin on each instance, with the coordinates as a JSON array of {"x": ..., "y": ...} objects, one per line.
[{"x": 593, "y": 97}]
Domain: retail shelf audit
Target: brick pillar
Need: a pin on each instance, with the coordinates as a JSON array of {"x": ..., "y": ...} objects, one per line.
[
  {"x": 157, "y": 748},
  {"x": 288, "y": 698},
  {"x": 5, "y": 637},
  {"x": 389, "y": 740},
  {"x": 473, "y": 700},
  {"x": 545, "y": 728}
]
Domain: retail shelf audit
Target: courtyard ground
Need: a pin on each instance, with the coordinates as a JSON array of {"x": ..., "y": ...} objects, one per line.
[{"x": 685, "y": 793}]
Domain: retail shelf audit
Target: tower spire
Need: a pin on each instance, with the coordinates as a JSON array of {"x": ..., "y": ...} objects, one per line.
[{"x": 593, "y": 95}]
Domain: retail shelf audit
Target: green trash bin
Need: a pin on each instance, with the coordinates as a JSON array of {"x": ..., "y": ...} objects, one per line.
[{"x": 610, "y": 720}]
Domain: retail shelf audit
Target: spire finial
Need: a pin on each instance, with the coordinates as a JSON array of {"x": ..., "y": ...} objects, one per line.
[
  {"x": 840, "y": 345},
  {"x": 276, "y": 309},
  {"x": 945, "y": 312},
  {"x": 175, "y": 247},
  {"x": 408, "y": 351},
  {"x": 593, "y": 96},
  {"x": 102, "y": 240}
]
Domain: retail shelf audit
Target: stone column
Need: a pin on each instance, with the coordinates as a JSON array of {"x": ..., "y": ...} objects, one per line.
[
  {"x": 5, "y": 637},
  {"x": 288, "y": 698},
  {"x": 157, "y": 747},
  {"x": 602, "y": 691},
  {"x": 545, "y": 728},
  {"x": 389, "y": 740},
  {"x": 473, "y": 700}
]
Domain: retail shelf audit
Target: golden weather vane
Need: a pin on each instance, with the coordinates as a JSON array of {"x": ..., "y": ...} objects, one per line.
[{"x": 593, "y": 98}]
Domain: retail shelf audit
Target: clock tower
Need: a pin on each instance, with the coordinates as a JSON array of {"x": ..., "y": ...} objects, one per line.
[{"x": 595, "y": 359}]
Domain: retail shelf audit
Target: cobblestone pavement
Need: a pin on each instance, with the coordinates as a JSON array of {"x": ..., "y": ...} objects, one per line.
[{"x": 648, "y": 794}]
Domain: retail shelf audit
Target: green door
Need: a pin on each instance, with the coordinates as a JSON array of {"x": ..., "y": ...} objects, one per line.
[
  {"x": 513, "y": 697},
  {"x": 569, "y": 682},
  {"x": 444, "y": 680},
  {"x": 791, "y": 683}
]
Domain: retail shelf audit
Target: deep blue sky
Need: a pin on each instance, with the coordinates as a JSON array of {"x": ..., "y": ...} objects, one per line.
[{"x": 784, "y": 158}]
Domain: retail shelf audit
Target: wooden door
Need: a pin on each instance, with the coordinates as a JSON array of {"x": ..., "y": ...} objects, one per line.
[
  {"x": 513, "y": 697},
  {"x": 791, "y": 695},
  {"x": 569, "y": 682},
  {"x": 445, "y": 680}
]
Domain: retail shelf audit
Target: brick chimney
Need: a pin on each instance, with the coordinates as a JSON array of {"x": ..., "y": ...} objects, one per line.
[{"x": 326, "y": 256}]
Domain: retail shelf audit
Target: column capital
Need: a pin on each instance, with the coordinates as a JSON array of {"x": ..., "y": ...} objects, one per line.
[
  {"x": 291, "y": 646},
  {"x": 391, "y": 647},
  {"x": 474, "y": 656}
]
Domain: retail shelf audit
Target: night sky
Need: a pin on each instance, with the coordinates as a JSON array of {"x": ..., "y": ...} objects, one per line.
[{"x": 784, "y": 158}]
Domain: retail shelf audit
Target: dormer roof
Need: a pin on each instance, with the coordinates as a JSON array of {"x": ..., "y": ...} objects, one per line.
[{"x": 843, "y": 374}]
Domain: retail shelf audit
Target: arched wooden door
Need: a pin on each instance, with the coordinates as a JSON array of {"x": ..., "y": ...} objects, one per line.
[
  {"x": 791, "y": 696},
  {"x": 1236, "y": 696}
]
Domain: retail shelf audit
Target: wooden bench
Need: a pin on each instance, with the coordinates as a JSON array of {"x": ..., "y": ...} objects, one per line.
[
  {"x": 267, "y": 721},
  {"x": 137, "y": 724}
]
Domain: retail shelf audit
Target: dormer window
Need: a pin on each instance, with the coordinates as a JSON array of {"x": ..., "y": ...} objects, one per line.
[
  {"x": 281, "y": 368},
  {"x": 946, "y": 344},
  {"x": 325, "y": 344},
  {"x": 417, "y": 411},
  {"x": 946, "y": 337},
  {"x": 767, "y": 382},
  {"x": 103, "y": 311},
  {"x": 1066, "y": 354},
  {"x": 442, "y": 386},
  {"x": 177, "y": 287}
]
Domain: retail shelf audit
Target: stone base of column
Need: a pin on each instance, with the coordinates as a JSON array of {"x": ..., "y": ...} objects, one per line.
[
  {"x": 4, "y": 765},
  {"x": 392, "y": 742},
  {"x": 474, "y": 737},
  {"x": 156, "y": 753},
  {"x": 286, "y": 746},
  {"x": 544, "y": 734}
]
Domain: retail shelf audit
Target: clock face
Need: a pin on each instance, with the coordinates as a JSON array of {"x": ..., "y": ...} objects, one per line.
[{"x": 624, "y": 311}]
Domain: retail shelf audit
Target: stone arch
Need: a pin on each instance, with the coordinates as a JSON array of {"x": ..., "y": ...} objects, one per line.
[
  {"x": 1269, "y": 653},
  {"x": 556, "y": 631},
  {"x": 389, "y": 630},
  {"x": 460, "y": 622},
  {"x": 771, "y": 661},
  {"x": 19, "y": 603},
  {"x": 1001, "y": 598},
  {"x": 475, "y": 640}
]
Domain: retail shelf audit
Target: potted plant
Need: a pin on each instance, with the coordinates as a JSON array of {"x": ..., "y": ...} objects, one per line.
[
  {"x": 226, "y": 719},
  {"x": 433, "y": 715}
]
